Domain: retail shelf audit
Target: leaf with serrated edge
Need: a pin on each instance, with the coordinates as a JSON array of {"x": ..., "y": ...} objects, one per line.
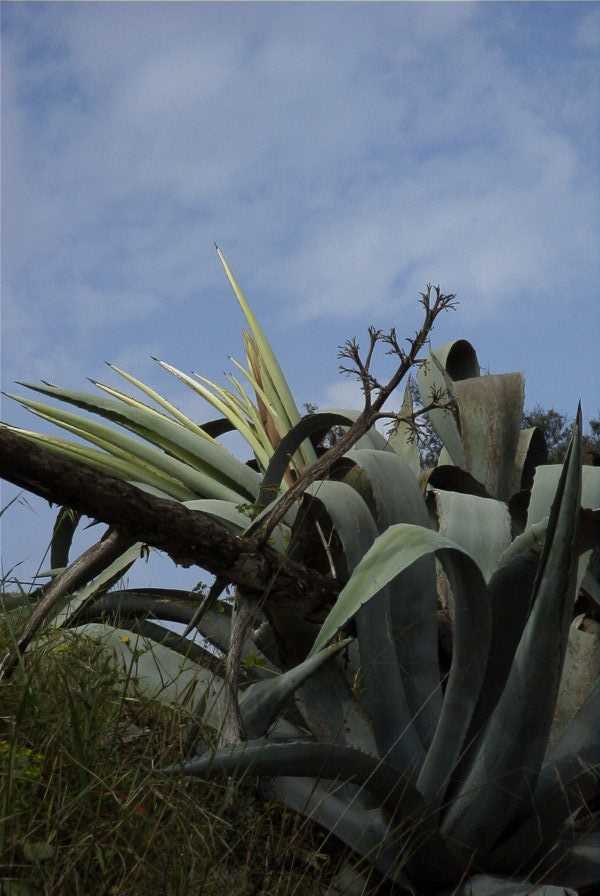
[
  {"x": 209, "y": 481},
  {"x": 167, "y": 405},
  {"x": 209, "y": 456},
  {"x": 268, "y": 359}
]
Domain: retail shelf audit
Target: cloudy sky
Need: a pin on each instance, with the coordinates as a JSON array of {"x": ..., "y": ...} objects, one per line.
[{"x": 341, "y": 154}]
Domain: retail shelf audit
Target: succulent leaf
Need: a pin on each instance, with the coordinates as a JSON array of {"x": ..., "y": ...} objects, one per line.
[
  {"x": 490, "y": 409},
  {"x": 200, "y": 477},
  {"x": 268, "y": 361},
  {"x": 449, "y": 362},
  {"x": 112, "y": 461},
  {"x": 290, "y": 443},
  {"x": 531, "y": 452},
  {"x": 371, "y": 439},
  {"x": 65, "y": 525},
  {"x": 568, "y": 780},
  {"x": 193, "y": 452},
  {"x": 155, "y": 396},
  {"x": 402, "y": 440},
  {"x": 544, "y": 487},
  {"x": 406, "y": 612},
  {"x": 385, "y": 698},
  {"x": 512, "y": 747},
  {"x": 65, "y": 608},
  {"x": 480, "y": 525},
  {"x": 262, "y": 702},
  {"x": 365, "y": 831}
]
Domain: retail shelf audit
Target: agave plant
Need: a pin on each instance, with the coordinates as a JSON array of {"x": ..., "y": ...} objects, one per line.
[{"x": 444, "y": 780}]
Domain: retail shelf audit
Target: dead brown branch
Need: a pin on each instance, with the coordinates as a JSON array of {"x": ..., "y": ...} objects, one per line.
[
  {"x": 189, "y": 537},
  {"x": 373, "y": 402}
]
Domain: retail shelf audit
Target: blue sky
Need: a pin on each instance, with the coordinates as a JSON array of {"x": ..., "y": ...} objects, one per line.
[{"x": 341, "y": 154}]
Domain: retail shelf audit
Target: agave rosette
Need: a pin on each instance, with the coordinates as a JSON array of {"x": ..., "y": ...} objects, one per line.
[
  {"x": 469, "y": 756},
  {"x": 437, "y": 778}
]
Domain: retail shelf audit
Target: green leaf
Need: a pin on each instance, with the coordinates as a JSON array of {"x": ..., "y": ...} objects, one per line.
[
  {"x": 364, "y": 830},
  {"x": 64, "y": 528},
  {"x": 480, "y": 525},
  {"x": 262, "y": 702},
  {"x": 228, "y": 513},
  {"x": 402, "y": 440},
  {"x": 81, "y": 598},
  {"x": 160, "y": 673},
  {"x": 385, "y": 701},
  {"x": 290, "y": 443},
  {"x": 568, "y": 780},
  {"x": 487, "y": 885},
  {"x": 371, "y": 439},
  {"x": 403, "y": 625},
  {"x": 306, "y": 758},
  {"x": 268, "y": 361},
  {"x": 531, "y": 453},
  {"x": 490, "y": 409},
  {"x": 155, "y": 396},
  {"x": 390, "y": 554},
  {"x": 142, "y": 474},
  {"x": 206, "y": 459},
  {"x": 512, "y": 747},
  {"x": 221, "y": 400},
  {"x": 544, "y": 488},
  {"x": 449, "y": 362}
]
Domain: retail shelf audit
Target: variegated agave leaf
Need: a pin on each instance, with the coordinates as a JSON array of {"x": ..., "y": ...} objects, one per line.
[{"x": 271, "y": 375}]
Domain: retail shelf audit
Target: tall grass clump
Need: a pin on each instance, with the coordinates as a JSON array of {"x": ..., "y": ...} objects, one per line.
[{"x": 82, "y": 811}]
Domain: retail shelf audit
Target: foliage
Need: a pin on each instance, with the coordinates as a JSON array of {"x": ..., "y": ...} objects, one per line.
[
  {"x": 558, "y": 431},
  {"x": 432, "y": 773},
  {"x": 83, "y": 812}
]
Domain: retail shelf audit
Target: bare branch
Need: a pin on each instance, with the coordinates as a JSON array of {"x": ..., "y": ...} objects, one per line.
[
  {"x": 189, "y": 537},
  {"x": 91, "y": 562},
  {"x": 417, "y": 427},
  {"x": 320, "y": 468}
]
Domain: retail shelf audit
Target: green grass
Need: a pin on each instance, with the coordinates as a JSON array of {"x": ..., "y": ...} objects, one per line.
[{"x": 81, "y": 811}]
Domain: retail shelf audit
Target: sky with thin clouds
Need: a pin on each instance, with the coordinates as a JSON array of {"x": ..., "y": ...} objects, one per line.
[{"x": 342, "y": 154}]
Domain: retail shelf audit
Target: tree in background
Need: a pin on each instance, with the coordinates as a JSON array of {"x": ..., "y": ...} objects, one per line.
[{"x": 558, "y": 431}]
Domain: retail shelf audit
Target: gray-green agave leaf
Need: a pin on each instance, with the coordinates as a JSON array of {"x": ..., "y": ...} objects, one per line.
[{"x": 512, "y": 748}]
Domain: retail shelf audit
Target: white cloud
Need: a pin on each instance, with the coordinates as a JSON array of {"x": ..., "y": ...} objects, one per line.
[
  {"x": 378, "y": 162},
  {"x": 343, "y": 155}
]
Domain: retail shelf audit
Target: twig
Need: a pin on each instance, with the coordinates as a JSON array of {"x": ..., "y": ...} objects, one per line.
[
  {"x": 370, "y": 413},
  {"x": 81, "y": 571}
]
